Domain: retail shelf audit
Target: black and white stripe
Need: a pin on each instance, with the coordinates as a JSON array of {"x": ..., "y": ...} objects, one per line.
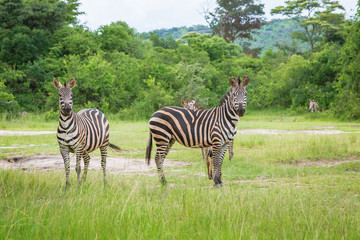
[
  {"x": 80, "y": 133},
  {"x": 214, "y": 127}
]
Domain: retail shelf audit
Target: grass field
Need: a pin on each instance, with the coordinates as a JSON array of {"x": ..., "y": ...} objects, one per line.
[{"x": 293, "y": 185}]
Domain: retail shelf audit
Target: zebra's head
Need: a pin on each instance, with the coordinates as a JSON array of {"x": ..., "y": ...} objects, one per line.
[
  {"x": 189, "y": 104},
  {"x": 65, "y": 95},
  {"x": 238, "y": 94}
]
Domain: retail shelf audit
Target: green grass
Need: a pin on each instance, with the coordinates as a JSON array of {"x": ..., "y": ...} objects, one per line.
[{"x": 286, "y": 186}]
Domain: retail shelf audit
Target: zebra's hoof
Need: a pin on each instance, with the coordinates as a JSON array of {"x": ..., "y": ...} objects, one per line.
[{"x": 219, "y": 185}]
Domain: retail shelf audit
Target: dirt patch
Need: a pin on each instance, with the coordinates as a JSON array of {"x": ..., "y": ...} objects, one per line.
[
  {"x": 23, "y": 133},
  {"x": 117, "y": 165}
]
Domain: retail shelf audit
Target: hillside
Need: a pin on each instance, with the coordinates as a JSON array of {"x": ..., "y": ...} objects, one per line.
[
  {"x": 178, "y": 32},
  {"x": 276, "y": 32}
]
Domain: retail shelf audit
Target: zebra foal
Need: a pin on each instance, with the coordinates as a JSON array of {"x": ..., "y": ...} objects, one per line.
[
  {"x": 214, "y": 127},
  {"x": 80, "y": 133}
]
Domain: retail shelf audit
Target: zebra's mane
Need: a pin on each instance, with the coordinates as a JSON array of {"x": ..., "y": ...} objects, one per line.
[{"x": 224, "y": 98}]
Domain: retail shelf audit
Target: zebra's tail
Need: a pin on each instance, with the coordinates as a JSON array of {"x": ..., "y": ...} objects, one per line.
[
  {"x": 114, "y": 147},
  {"x": 148, "y": 150}
]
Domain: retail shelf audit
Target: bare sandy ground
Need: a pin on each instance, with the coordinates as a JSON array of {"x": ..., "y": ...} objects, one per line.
[
  {"x": 117, "y": 165},
  {"x": 22, "y": 133}
]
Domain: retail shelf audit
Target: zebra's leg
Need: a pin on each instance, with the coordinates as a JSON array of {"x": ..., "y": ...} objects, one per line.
[
  {"x": 218, "y": 155},
  {"x": 86, "y": 158},
  {"x": 78, "y": 166},
  {"x": 103, "y": 151},
  {"x": 161, "y": 152},
  {"x": 208, "y": 162},
  {"x": 231, "y": 149},
  {"x": 203, "y": 151},
  {"x": 65, "y": 155}
]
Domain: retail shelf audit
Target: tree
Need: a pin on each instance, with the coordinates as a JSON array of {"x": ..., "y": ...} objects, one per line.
[
  {"x": 215, "y": 46},
  {"x": 118, "y": 36},
  {"x": 347, "y": 102},
  {"x": 27, "y": 27},
  {"x": 40, "y": 14},
  {"x": 235, "y": 19},
  {"x": 317, "y": 18}
]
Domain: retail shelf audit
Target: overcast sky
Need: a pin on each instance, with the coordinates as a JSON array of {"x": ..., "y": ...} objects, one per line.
[{"x": 148, "y": 15}]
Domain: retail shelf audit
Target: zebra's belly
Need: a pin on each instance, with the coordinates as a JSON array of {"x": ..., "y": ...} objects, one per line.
[{"x": 87, "y": 145}]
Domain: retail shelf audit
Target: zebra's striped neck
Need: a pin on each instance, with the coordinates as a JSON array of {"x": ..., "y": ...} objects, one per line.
[
  {"x": 231, "y": 115},
  {"x": 67, "y": 123}
]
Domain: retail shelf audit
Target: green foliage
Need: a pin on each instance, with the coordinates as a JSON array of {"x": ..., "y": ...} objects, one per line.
[
  {"x": 21, "y": 44},
  {"x": 167, "y": 42},
  {"x": 193, "y": 85},
  {"x": 6, "y": 99},
  {"x": 132, "y": 75},
  {"x": 347, "y": 101},
  {"x": 216, "y": 47},
  {"x": 119, "y": 37}
]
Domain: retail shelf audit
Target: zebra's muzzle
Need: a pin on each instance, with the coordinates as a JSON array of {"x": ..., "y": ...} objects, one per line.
[
  {"x": 241, "y": 111},
  {"x": 66, "y": 110}
]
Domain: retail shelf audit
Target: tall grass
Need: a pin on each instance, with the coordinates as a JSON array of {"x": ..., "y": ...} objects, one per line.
[
  {"x": 286, "y": 186},
  {"x": 34, "y": 206}
]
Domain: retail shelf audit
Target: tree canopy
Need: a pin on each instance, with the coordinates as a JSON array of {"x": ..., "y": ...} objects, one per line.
[
  {"x": 317, "y": 17},
  {"x": 232, "y": 20}
]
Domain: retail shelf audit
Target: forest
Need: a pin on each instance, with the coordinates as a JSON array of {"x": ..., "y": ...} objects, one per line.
[{"x": 131, "y": 74}]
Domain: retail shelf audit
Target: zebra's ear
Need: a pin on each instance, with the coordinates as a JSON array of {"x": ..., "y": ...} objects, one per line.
[
  {"x": 72, "y": 83},
  {"x": 233, "y": 82},
  {"x": 238, "y": 80},
  {"x": 57, "y": 84},
  {"x": 245, "y": 81},
  {"x": 182, "y": 102}
]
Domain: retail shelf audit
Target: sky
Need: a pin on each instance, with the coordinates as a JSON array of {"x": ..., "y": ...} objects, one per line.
[{"x": 149, "y": 15}]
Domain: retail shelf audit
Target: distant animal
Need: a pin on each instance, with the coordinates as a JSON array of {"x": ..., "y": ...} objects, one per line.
[
  {"x": 23, "y": 113},
  {"x": 214, "y": 127},
  {"x": 313, "y": 106},
  {"x": 80, "y": 133}
]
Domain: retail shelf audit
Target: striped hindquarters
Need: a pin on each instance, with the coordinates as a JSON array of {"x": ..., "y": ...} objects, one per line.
[{"x": 189, "y": 128}]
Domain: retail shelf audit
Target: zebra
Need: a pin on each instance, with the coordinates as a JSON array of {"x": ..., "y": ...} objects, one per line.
[
  {"x": 207, "y": 152},
  {"x": 214, "y": 127},
  {"x": 313, "y": 106},
  {"x": 80, "y": 133}
]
